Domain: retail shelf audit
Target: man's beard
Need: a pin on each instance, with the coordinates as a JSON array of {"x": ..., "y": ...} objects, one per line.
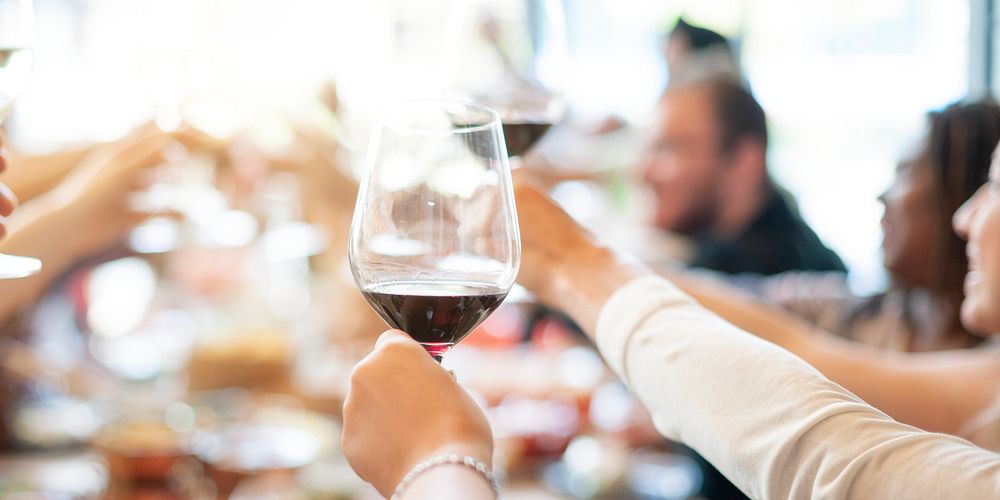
[{"x": 701, "y": 217}]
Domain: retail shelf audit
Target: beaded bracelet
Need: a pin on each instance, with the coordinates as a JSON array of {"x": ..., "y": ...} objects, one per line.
[{"x": 452, "y": 459}]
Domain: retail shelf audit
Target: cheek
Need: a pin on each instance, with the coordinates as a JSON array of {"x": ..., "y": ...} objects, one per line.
[
  {"x": 980, "y": 311},
  {"x": 915, "y": 222},
  {"x": 982, "y": 306},
  {"x": 989, "y": 269},
  {"x": 659, "y": 173}
]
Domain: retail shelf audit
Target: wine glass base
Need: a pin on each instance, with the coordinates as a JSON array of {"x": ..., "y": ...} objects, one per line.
[
  {"x": 437, "y": 350},
  {"x": 13, "y": 266}
]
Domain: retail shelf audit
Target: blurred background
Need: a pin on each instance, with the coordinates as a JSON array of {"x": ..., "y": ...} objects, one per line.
[
  {"x": 814, "y": 67},
  {"x": 228, "y": 336}
]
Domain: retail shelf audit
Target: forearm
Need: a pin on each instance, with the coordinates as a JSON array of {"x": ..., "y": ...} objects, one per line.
[
  {"x": 37, "y": 174},
  {"x": 931, "y": 391},
  {"x": 44, "y": 230},
  {"x": 771, "y": 423},
  {"x": 583, "y": 281}
]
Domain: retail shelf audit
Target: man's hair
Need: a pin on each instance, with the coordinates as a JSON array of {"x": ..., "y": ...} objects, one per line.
[
  {"x": 738, "y": 114},
  {"x": 697, "y": 37}
]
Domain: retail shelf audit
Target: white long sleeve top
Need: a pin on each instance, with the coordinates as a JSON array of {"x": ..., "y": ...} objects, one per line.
[{"x": 769, "y": 421}]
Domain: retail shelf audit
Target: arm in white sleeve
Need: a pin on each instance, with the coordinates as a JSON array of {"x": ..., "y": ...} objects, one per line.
[{"x": 770, "y": 422}]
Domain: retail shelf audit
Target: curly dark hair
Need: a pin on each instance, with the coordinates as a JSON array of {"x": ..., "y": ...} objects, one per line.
[{"x": 958, "y": 150}]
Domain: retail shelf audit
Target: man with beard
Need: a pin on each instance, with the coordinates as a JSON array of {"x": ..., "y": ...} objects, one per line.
[{"x": 707, "y": 166}]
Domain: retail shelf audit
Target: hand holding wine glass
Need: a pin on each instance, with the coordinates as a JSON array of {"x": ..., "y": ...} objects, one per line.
[
  {"x": 434, "y": 244},
  {"x": 16, "y": 30},
  {"x": 403, "y": 409}
]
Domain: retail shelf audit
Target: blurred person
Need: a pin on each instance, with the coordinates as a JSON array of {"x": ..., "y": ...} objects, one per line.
[
  {"x": 693, "y": 52},
  {"x": 88, "y": 211},
  {"x": 770, "y": 422},
  {"x": 924, "y": 257},
  {"x": 707, "y": 169},
  {"x": 328, "y": 191},
  {"x": 572, "y": 147}
]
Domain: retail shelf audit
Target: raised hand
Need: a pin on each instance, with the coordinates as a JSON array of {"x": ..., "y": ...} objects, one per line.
[{"x": 402, "y": 409}]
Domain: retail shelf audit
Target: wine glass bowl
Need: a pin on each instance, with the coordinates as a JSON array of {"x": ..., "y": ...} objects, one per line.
[
  {"x": 511, "y": 55},
  {"x": 434, "y": 242},
  {"x": 16, "y": 33}
]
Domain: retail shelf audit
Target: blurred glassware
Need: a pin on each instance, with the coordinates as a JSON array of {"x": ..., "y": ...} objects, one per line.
[
  {"x": 589, "y": 468},
  {"x": 51, "y": 476},
  {"x": 287, "y": 244},
  {"x": 16, "y": 40},
  {"x": 58, "y": 422},
  {"x": 142, "y": 451},
  {"x": 511, "y": 56},
  {"x": 195, "y": 87},
  {"x": 655, "y": 475},
  {"x": 267, "y": 436}
]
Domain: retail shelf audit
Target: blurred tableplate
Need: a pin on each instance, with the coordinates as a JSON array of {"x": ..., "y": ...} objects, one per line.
[
  {"x": 55, "y": 423},
  {"x": 270, "y": 440},
  {"x": 44, "y": 476},
  {"x": 141, "y": 451}
]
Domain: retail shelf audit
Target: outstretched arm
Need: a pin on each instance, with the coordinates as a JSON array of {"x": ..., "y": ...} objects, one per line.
[
  {"x": 773, "y": 424},
  {"x": 88, "y": 211},
  {"x": 941, "y": 391},
  {"x": 770, "y": 422}
]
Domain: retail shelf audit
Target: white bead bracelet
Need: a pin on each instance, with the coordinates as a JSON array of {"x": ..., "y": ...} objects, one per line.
[{"x": 452, "y": 459}]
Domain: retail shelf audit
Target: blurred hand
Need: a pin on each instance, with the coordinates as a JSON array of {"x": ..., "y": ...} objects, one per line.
[
  {"x": 197, "y": 141},
  {"x": 562, "y": 263},
  {"x": 403, "y": 408},
  {"x": 7, "y": 200},
  {"x": 98, "y": 192},
  {"x": 549, "y": 237},
  {"x": 313, "y": 158}
]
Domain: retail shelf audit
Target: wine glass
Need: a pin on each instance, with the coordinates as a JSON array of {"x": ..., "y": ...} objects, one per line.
[
  {"x": 510, "y": 55},
  {"x": 16, "y": 29},
  {"x": 434, "y": 243}
]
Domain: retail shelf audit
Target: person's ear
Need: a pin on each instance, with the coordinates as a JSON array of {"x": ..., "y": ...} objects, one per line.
[{"x": 749, "y": 159}]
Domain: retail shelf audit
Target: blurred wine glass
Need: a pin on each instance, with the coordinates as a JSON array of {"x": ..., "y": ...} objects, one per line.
[
  {"x": 510, "y": 55},
  {"x": 194, "y": 89},
  {"x": 16, "y": 32}
]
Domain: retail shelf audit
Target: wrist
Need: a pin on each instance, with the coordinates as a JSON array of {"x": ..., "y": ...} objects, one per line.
[
  {"x": 483, "y": 452},
  {"x": 466, "y": 477},
  {"x": 584, "y": 281}
]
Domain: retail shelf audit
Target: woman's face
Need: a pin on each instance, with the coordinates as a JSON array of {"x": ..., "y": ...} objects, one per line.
[
  {"x": 909, "y": 226},
  {"x": 978, "y": 222}
]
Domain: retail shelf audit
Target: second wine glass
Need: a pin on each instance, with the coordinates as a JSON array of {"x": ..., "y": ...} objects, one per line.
[
  {"x": 16, "y": 32},
  {"x": 512, "y": 56},
  {"x": 434, "y": 245}
]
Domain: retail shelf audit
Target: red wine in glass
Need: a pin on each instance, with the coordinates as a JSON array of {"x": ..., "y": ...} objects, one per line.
[
  {"x": 437, "y": 314},
  {"x": 434, "y": 242},
  {"x": 522, "y": 135}
]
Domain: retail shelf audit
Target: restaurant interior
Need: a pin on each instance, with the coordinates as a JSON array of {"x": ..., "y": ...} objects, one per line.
[{"x": 230, "y": 168}]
